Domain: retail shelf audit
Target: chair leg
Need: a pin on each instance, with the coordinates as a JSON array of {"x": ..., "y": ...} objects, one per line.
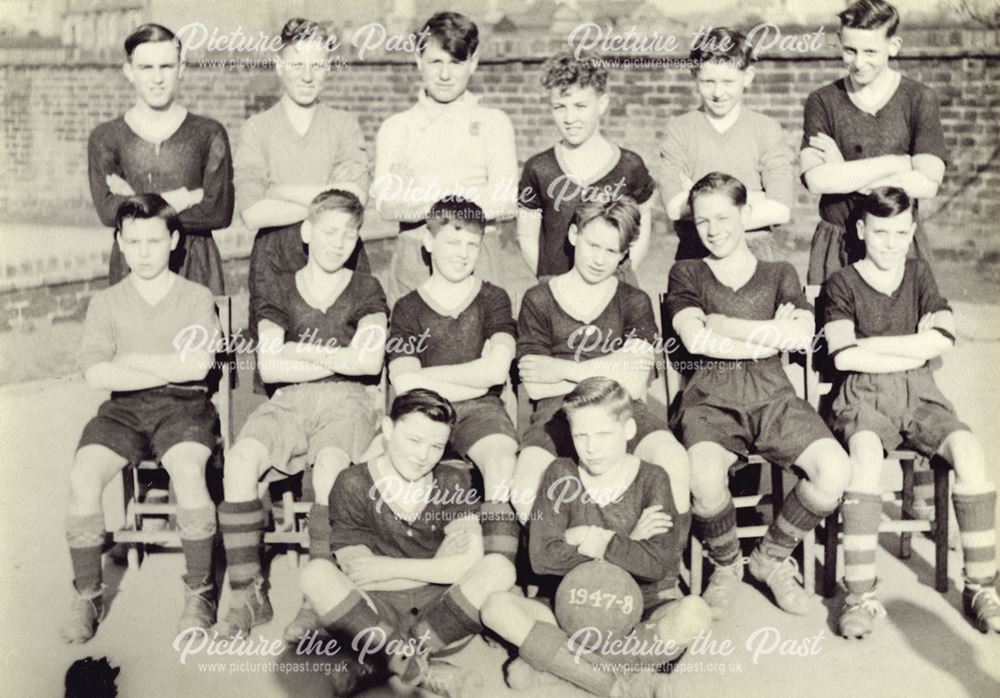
[
  {"x": 941, "y": 502},
  {"x": 905, "y": 549},
  {"x": 290, "y": 522},
  {"x": 832, "y": 526},
  {"x": 697, "y": 562}
]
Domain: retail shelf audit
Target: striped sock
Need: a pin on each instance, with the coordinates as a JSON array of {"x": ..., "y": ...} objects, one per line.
[
  {"x": 923, "y": 482},
  {"x": 976, "y": 514},
  {"x": 501, "y": 529},
  {"x": 319, "y": 532},
  {"x": 85, "y": 535},
  {"x": 447, "y": 620},
  {"x": 197, "y": 529},
  {"x": 547, "y": 649},
  {"x": 719, "y": 534},
  {"x": 241, "y": 524},
  {"x": 798, "y": 516},
  {"x": 862, "y": 512},
  {"x": 355, "y": 622}
]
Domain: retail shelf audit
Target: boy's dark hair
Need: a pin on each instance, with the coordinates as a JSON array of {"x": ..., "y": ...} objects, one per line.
[
  {"x": 91, "y": 678},
  {"x": 147, "y": 34},
  {"x": 458, "y": 212},
  {"x": 871, "y": 14},
  {"x": 564, "y": 70},
  {"x": 722, "y": 45},
  {"x": 457, "y": 34},
  {"x": 298, "y": 29},
  {"x": 599, "y": 392},
  {"x": 337, "y": 200},
  {"x": 623, "y": 213},
  {"x": 722, "y": 183},
  {"x": 144, "y": 206},
  {"x": 426, "y": 402},
  {"x": 886, "y": 202}
]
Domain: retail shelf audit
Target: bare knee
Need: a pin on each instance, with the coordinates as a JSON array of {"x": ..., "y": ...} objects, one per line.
[
  {"x": 709, "y": 478},
  {"x": 320, "y": 576},
  {"x": 531, "y": 465},
  {"x": 497, "y": 609},
  {"x": 829, "y": 468},
  {"x": 330, "y": 463},
  {"x": 965, "y": 453},
  {"x": 493, "y": 573},
  {"x": 243, "y": 466},
  {"x": 92, "y": 470}
]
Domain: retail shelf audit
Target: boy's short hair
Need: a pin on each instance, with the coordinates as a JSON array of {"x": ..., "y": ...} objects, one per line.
[
  {"x": 457, "y": 34},
  {"x": 722, "y": 183},
  {"x": 599, "y": 392},
  {"x": 426, "y": 402},
  {"x": 886, "y": 202},
  {"x": 564, "y": 70},
  {"x": 722, "y": 45},
  {"x": 145, "y": 206},
  {"x": 622, "y": 213},
  {"x": 148, "y": 34},
  {"x": 458, "y": 212},
  {"x": 337, "y": 200},
  {"x": 871, "y": 14},
  {"x": 298, "y": 29}
]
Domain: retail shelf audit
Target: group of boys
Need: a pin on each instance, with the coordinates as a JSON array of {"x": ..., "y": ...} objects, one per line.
[{"x": 417, "y": 548}]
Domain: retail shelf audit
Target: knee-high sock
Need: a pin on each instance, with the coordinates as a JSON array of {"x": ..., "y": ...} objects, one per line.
[
  {"x": 976, "y": 514},
  {"x": 501, "y": 529},
  {"x": 862, "y": 512},
  {"x": 241, "y": 524},
  {"x": 447, "y": 620},
  {"x": 798, "y": 516},
  {"x": 85, "y": 535},
  {"x": 547, "y": 649},
  {"x": 354, "y": 618},
  {"x": 197, "y": 529},
  {"x": 319, "y": 532},
  {"x": 719, "y": 534}
]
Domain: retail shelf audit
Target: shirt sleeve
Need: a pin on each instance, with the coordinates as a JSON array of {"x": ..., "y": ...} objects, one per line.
[
  {"x": 501, "y": 165},
  {"x": 99, "y": 341},
  {"x": 350, "y": 159},
  {"x": 498, "y": 314},
  {"x": 216, "y": 208},
  {"x": 648, "y": 560},
  {"x": 372, "y": 299},
  {"x": 547, "y": 547},
  {"x": 350, "y": 516},
  {"x": 534, "y": 328},
  {"x": 404, "y": 331},
  {"x": 250, "y": 167},
  {"x": 272, "y": 303},
  {"x": 639, "y": 320},
  {"x": 790, "y": 288},
  {"x": 204, "y": 312},
  {"x": 930, "y": 299},
  {"x": 814, "y": 119},
  {"x": 682, "y": 289},
  {"x": 836, "y": 299},
  {"x": 928, "y": 134},
  {"x": 673, "y": 163},
  {"x": 102, "y": 160},
  {"x": 642, "y": 184},
  {"x": 775, "y": 165},
  {"x": 529, "y": 196}
]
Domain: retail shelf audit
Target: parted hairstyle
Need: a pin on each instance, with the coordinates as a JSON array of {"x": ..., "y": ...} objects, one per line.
[
  {"x": 564, "y": 70},
  {"x": 457, "y": 34},
  {"x": 886, "y": 202},
  {"x": 425, "y": 402},
  {"x": 871, "y": 14},
  {"x": 147, "y": 34},
  {"x": 299, "y": 29},
  {"x": 337, "y": 200},
  {"x": 622, "y": 213},
  {"x": 722, "y": 45},
  {"x": 722, "y": 183},
  {"x": 145, "y": 206},
  {"x": 457, "y": 212},
  {"x": 598, "y": 391}
]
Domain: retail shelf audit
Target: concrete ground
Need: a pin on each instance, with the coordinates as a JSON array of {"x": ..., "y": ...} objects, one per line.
[{"x": 924, "y": 647}]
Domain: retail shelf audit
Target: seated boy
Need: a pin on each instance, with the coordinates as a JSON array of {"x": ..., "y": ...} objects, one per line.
[
  {"x": 133, "y": 345},
  {"x": 739, "y": 314},
  {"x": 322, "y": 339},
  {"x": 587, "y": 323},
  {"x": 884, "y": 321},
  {"x": 726, "y": 136},
  {"x": 624, "y": 517},
  {"x": 583, "y": 166},
  {"x": 455, "y": 335},
  {"x": 412, "y": 575}
]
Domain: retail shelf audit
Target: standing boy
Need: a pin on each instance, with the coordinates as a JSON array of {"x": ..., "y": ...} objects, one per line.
[
  {"x": 158, "y": 146},
  {"x": 884, "y": 320},
  {"x": 455, "y": 335},
  {"x": 726, "y": 136},
  {"x": 739, "y": 314},
  {"x": 134, "y": 345},
  {"x": 583, "y": 167},
  {"x": 873, "y": 128},
  {"x": 322, "y": 339}
]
